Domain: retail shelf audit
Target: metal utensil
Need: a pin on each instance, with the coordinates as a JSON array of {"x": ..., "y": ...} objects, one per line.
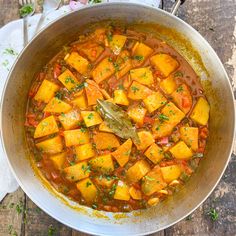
[
  {"x": 23, "y": 4},
  {"x": 48, "y": 6}
]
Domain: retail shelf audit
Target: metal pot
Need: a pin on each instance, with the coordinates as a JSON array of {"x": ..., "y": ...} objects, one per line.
[{"x": 222, "y": 120}]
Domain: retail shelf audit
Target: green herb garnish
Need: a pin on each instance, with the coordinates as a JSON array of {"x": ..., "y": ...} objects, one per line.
[
  {"x": 213, "y": 214},
  {"x": 10, "y": 51},
  {"x": 163, "y": 117},
  {"x": 138, "y": 58},
  {"x": 51, "y": 231},
  {"x": 26, "y": 10}
]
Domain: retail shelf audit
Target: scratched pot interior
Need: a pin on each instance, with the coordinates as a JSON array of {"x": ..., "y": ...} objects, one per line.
[{"x": 216, "y": 86}]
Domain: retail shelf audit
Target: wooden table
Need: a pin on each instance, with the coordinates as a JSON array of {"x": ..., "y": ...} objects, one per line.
[{"x": 216, "y": 21}]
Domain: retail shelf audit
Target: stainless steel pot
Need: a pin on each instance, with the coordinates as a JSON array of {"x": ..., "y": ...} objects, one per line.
[{"x": 222, "y": 120}]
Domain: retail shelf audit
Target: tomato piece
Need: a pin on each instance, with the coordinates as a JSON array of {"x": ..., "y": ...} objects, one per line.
[
  {"x": 56, "y": 70},
  {"x": 186, "y": 102},
  {"x": 148, "y": 120}
]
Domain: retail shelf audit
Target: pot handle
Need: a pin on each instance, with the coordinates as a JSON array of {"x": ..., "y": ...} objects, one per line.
[{"x": 176, "y": 5}]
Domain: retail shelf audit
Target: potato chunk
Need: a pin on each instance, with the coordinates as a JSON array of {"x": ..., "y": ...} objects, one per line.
[
  {"x": 183, "y": 98},
  {"x": 68, "y": 80},
  {"x": 138, "y": 91},
  {"x": 58, "y": 160},
  {"x": 137, "y": 114},
  {"x": 170, "y": 116},
  {"x": 51, "y": 146},
  {"x": 154, "y": 101},
  {"x": 77, "y": 62},
  {"x": 84, "y": 151},
  {"x": 170, "y": 173},
  {"x": 153, "y": 181},
  {"x": 122, "y": 191},
  {"x": 120, "y": 97},
  {"x": 91, "y": 50},
  {"x": 124, "y": 64},
  {"x": 181, "y": 151},
  {"x": 122, "y": 153},
  {"x": 87, "y": 189},
  {"x": 154, "y": 153},
  {"x": 45, "y": 127},
  {"x": 137, "y": 171},
  {"x": 140, "y": 53},
  {"x": 46, "y": 91},
  {"x": 104, "y": 70},
  {"x": 105, "y": 141},
  {"x": 135, "y": 193},
  {"x": 168, "y": 85},
  {"x": 91, "y": 118},
  {"x": 57, "y": 106},
  {"x": 116, "y": 43},
  {"x": 103, "y": 164},
  {"x": 104, "y": 181},
  {"x": 190, "y": 136},
  {"x": 200, "y": 112},
  {"x": 80, "y": 102},
  {"x": 77, "y": 172},
  {"x": 142, "y": 75},
  {"x": 146, "y": 139},
  {"x": 165, "y": 63},
  {"x": 103, "y": 127},
  {"x": 70, "y": 120},
  {"x": 76, "y": 137},
  {"x": 93, "y": 93}
]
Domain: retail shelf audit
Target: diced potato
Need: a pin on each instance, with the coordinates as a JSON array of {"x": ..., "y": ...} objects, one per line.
[
  {"x": 153, "y": 201},
  {"x": 120, "y": 97},
  {"x": 70, "y": 120},
  {"x": 153, "y": 181},
  {"x": 104, "y": 70},
  {"x": 103, "y": 127},
  {"x": 104, "y": 181},
  {"x": 116, "y": 43},
  {"x": 77, "y": 62},
  {"x": 165, "y": 63},
  {"x": 122, "y": 152},
  {"x": 77, "y": 172},
  {"x": 87, "y": 189},
  {"x": 190, "y": 136},
  {"x": 137, "y": 114},
  {"x": 137, "y": 171},
  {"x": 124, "y": 63},
  {"x": 170, "y": 173},
  {"x": 84, "y": 152},
  {"x": 105, "y": 141},
  {"x": 181, "y": 151},
  {"x": 142, "y": 75},
  {"x": 57, "y": 106},
  {"x": 122, "y": 191},
  {"x": 154, "y": 153},
  {"x": 46, "y": 91},
  {"x": 200, "y": 112},
  {"x": 170, "y": 116},
  {"x": 51, "y": 146},
  {"x": 168, "y": 85},
  {"x": 182, "y": 98},
  {"x": 127, "y": 82},
  {"x": 140, "y": 53},
  {"x": 93, "y": 93},
  {"x": 154, "y": 101},
  {"x": 135, "y": 193},
  {"x": 45, "y": 127},
  {"x": 91, "y": 118},
  {"x": 138, "y": 91},
  {"x": 58, "y": 160},
  {"x": 80, "y": 102},
  {"x": 146, "y": 139},
  {"x": 68, "y": 79},
  {"x": 91, "y": 50},
  {"x": 103, "y": 164},
  {"x": 76, "y": 137}
]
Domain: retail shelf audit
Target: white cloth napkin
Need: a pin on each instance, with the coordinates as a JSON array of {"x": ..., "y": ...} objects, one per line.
[{"x": 10, "y": 46}]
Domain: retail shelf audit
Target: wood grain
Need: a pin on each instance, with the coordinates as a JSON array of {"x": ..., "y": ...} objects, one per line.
[{"x": 216, "y": 21}]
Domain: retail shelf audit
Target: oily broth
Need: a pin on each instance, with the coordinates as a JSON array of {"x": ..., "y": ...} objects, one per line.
[{"x": 104, "y": 199}]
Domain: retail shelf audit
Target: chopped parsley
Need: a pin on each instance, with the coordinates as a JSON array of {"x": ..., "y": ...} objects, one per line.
[
  {"x": 26, "y": 10},
  {"x": 10, "y": 51},
  {"x": 180, "y": 89},
  {"x": 69, "y": 80},
  {"x": 83, "y": 129},
  {"x": 178, "y": 74},
  {"x": 79, "y": 87},
  {"x": 59, "y": 95},
  {"x": 112, "y": 191},
  {"x": 213, "y": 214},
  {"x": 86, "y": 169},
  {"x": 95, "y": 1},
  {"x": 138, "y": 58},
  {"x": 5, "y": 63},
  {"x": 88, "y": 184},
  {"x": 109, "y": 36},
  {"x": 163, "y": 117},
  {"x": 94, "y": 206},
  {"x": 134, "y": 89},
  {"x": 51, "y": 230},
  {"x": 149, "y": 178},
  {"x": 90, "y": 116}
]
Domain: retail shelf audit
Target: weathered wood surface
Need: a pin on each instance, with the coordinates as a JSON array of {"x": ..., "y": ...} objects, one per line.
[{"x": 216, "y": 21}]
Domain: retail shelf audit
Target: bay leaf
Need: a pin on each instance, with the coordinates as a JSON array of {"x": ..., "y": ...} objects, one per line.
[{"x": 117, "y": 120}]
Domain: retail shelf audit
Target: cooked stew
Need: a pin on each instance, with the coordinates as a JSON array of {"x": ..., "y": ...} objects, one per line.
[{"x": 117, "y": 120}]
